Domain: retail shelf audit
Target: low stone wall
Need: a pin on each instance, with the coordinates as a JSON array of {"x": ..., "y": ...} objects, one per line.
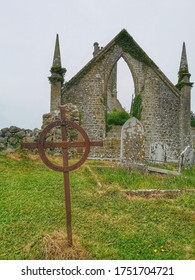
[
  {"x": 55, "y": 134},
  {"x": 71, "y": 111},
  {"x": 111, "y": 146},
  {"x": 11, "y": 137}
]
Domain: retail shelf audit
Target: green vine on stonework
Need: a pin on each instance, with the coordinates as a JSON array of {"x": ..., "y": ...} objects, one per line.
[
  {"x": 192, "y": 123},
  {"x": 136, "y": 107},
  {"x": 55, "y": 79},
  {"x": 180, "y": 85},
  {"x": 128, "y": 45},
  {"x": 116, "y": 118},
  {"x": 58, "y": 70},
  {"x": 57, "y": 74},
  {"x": 192, "y": 118},
  {"x": 182, "y": 72}
]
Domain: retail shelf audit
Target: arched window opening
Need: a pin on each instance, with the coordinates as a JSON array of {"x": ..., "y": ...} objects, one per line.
[
  {"x": 125, "y": 85},
  {"x": 120, "y": 90}
]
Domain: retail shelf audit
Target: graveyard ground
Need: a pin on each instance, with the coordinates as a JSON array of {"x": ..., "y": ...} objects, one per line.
[{"x": 107, "y": 224}]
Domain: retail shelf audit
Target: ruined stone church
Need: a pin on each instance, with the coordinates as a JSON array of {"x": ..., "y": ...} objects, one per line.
[{"x": 164, "y": 109}]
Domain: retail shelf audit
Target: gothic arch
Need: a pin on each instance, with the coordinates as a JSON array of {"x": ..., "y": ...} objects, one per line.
[
  {"x": 110, "y": 64},
  {"x": 162, "y": 102}
]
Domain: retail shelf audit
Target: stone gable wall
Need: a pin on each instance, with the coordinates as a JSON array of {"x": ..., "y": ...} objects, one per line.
[
  {"x": 160, "y": 117},
  {"x": 160, "y": 105},
  {"x": 89, "y": 98}
]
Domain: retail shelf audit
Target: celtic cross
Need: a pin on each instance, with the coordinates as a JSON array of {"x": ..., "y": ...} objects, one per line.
[{"x": 42, "y": 144}]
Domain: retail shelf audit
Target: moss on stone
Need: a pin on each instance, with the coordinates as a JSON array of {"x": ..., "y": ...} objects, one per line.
[
  {"x": 57, "y": 74},
  {"x": 58, "y": 70},
  {"x": 136, "y": 107},
  {"x": 128, "y": 45},
  {"x": 182, "y": 72},
  {"x": 116, "y": 118},
  {"x": 192, "y": 123}
]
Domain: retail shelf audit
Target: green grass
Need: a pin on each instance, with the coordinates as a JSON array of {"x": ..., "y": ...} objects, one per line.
[
  {"x": 107, "y": 224},
  {"x": 151, "y": 181}
]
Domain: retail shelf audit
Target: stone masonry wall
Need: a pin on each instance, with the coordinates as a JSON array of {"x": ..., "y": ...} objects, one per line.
[
  {"x": 112, "y": 101},
  {"x": 160, "y": 118},
  {"x": 11, "y": 137},
  {"x": 160, "y": 103},
  {"x": 111, "y": 146},
  {"x": 88, "y": 96}
]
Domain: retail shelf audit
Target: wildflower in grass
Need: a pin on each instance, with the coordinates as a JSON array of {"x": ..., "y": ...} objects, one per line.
[
  {"x": 155, "y": 250},
  {"x": 162, "y": 249}
]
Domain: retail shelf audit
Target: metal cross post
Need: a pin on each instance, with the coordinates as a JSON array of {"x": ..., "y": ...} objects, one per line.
[{"x": 64, "y": 145}]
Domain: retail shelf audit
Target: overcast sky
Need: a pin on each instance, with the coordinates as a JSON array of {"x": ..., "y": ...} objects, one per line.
[{"x": 28, "y": 30}]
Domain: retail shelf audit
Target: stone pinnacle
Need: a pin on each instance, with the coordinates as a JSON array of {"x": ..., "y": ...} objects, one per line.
[
  {"x": 57, "y": 57},
  {"x": 184, "y": 62}
]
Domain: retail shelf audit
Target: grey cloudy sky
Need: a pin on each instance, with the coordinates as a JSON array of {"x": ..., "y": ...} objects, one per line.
[{"x": 28, "y": 30}]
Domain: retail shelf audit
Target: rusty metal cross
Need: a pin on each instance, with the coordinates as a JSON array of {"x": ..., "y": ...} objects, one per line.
[{"x": 64, "y": 145}]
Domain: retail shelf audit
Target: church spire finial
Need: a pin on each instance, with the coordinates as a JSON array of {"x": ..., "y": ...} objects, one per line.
[
  {"x": 183, "y": 74},
  {"x": 57, "y": 78},
  {"x": 57, "y": 57},
  {"x": 183, "y": 62}
]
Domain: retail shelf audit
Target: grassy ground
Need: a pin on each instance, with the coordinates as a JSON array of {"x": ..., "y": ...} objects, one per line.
[{"x": 106, "y": 224}]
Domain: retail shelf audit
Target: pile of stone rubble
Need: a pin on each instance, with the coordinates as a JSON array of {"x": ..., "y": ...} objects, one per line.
[{"x": 11, "y": 137}]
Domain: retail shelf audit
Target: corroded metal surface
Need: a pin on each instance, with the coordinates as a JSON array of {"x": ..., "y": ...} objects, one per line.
[{"x": 64, "y": 145}]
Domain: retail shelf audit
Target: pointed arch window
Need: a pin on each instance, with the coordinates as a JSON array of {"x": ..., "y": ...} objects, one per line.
[
  {"x": 120, "y": 89},
  {"x": 125, "y": 85}
]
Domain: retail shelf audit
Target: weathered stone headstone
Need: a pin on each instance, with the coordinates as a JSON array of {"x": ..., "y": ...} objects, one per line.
[
  {"x": 158, "y": 152},
  {"x": 132, "y": 144}
]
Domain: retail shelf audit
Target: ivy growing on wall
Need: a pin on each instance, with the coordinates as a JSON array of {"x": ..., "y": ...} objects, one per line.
[
  {"x": 192, "y": 119},
  {"x": 193, "y": 123},
  {"x": 58, "y": 70},
  {"x": 57, "y": 74},
  {"x": 116, "y": 118},
  {"x": 181, "y": 83},
  {"x": 128, "y": 45},
  {"x": 136, "y": 107}
]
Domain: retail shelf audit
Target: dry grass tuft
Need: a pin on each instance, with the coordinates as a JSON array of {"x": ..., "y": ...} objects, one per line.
[
  {"x": 33, "y": 156},
  {"x": 21, "y": 156},
  {"x": 56, "y": 248},
  {"x": 14, "y": 156}
]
